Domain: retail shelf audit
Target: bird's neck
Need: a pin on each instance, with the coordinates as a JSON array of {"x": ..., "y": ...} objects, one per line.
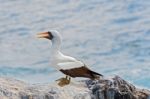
[{"x": 56, "y": 45}]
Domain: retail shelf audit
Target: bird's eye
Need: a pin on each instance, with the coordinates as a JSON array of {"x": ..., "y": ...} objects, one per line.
[
  {"x": 50, "y": 35},
  {"x": 49, "y": 32}
]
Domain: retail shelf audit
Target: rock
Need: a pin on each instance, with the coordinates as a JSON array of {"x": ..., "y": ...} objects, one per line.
[
  {"x": 116, "y": 88},
  {"x": 113, "y": 88}
]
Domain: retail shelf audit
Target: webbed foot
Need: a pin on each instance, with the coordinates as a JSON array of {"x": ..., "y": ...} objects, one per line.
[{"x": 63, "y": 81}]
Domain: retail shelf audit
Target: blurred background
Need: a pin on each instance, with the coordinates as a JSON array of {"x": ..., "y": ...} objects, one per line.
[{"x": 111, "y": 36}]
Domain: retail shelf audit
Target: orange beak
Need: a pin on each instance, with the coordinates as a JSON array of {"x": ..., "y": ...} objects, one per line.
[{"x": 43, "y": 35}]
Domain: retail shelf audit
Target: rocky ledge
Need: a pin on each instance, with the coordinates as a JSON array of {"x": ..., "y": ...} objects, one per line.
[{"x": 105, "y": 88}]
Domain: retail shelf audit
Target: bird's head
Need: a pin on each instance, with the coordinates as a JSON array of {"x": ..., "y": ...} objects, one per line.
[{"x": 51, "y": 35}]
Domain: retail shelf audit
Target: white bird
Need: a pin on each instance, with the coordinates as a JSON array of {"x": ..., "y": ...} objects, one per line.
[{"x": 68, "y": 65}]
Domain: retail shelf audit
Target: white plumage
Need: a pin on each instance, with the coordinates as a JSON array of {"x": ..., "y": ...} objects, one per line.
[
  {"x": 66, "y": 64},
  {"x": 58, "y": 59}
]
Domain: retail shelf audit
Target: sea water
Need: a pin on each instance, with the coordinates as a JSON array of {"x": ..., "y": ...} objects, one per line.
[{"x": 111, "y": 36}]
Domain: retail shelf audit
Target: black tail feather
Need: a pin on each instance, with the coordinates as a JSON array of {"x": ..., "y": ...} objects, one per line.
[{"x": 95, "y": 75}]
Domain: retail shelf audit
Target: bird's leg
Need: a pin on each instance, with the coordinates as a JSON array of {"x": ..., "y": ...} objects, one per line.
[
  {"x": 66, "y": 76},
  {"x": 69, "y": 79}
]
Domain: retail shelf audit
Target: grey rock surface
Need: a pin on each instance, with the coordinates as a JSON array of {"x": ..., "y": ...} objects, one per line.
[{"x": 105, "y": 88}]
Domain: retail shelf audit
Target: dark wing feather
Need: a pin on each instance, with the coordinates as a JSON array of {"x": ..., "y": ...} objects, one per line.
[{"x": 81, "y": 72}]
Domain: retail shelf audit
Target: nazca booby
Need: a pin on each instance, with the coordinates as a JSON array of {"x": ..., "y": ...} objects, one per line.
[{"x": 68, "y": 65}]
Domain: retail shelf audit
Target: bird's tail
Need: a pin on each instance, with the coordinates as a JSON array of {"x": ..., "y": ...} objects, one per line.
[{"x": 96, "y": 75}]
